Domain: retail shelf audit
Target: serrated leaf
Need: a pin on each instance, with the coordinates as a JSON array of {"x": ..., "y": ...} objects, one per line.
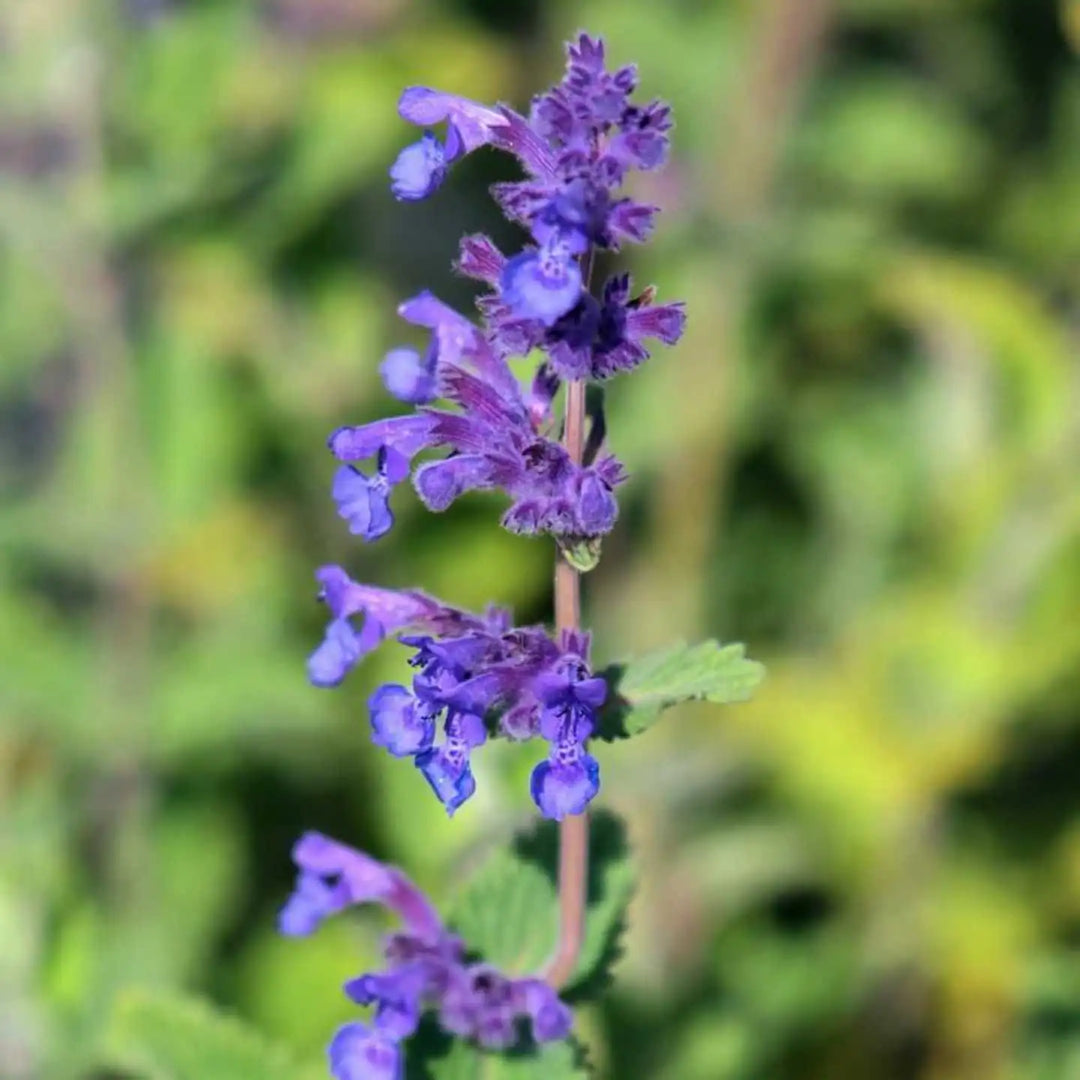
[
  {"x": 509, "y": 912},
  {"x": 641, "y": 689},
  {"x": 170, "y": 1037}
]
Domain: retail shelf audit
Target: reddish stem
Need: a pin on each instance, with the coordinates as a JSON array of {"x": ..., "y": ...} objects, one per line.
[{"x": 573, "y": 830}]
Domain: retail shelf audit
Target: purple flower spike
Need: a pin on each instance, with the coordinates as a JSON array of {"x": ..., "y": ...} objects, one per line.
[
  {"x": 493, "y": 433},
  {"x": 419, "y": 170},
  {"x": 410, "y": 377},
  {"x": 363, "y": 501},
  {"x": 477, "y": 676},
  {"x": 543, "y": 284},
  {"x": 399, "y": 722},
  {"x": 468, "y": 667},
  {"x": 563, "y": 787},
  {"x": 357, "y": 1053}
]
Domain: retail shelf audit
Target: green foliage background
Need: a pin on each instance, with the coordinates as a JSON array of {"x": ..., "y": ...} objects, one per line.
[{"x": 860, "y": 460}]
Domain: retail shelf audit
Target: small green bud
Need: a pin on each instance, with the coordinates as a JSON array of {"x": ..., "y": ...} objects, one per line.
[{"x": 581, "y": 552}]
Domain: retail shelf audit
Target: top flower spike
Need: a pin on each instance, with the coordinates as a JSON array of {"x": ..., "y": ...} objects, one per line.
[
  {"x": 580, "y": 140},
  {"x": 577, "y": 145}
]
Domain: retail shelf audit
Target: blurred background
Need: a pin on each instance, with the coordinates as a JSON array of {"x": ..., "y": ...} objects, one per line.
[{"x": 860, "y": 461}]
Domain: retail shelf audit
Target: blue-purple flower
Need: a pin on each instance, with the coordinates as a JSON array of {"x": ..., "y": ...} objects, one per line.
[
  {"x": 409, "y": 376},
  {"x": 333, "y": 877},
  {"x": 384, "y": 612},
  {"x": 569, "y": 696},
  {"x": 358, "y": 1052},
  {"x": 595, "y": 339},
  {"x": 542, "y": 284},
  {"x": 419, "y": 169},
  {"x": 447, "y": 767},
  {"x": 363, "y": 501},
  {"x": 400, "y": 722},
  {"x": 425, "y": 968}
]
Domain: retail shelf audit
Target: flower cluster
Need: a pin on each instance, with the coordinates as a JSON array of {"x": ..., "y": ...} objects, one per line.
[
  {"x": 582, "y": 138},
  {"x": 426, "y": 968},
  {"x": 495, "y": 439},
  {"x": 477, "y": 674}
]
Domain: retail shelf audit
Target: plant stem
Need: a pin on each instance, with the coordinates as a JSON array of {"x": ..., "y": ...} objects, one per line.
[{"x": 573, "y": 830}]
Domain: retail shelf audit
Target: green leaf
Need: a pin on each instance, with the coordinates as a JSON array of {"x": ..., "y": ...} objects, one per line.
[
  {"x": 169, "y": 1037},
  {"x": 641, "y": 689},
  {"x": 509, "y": 911},
  {"x": 508, "y": 915},
  {"x": 582, "y": 553},
  {"x": 464, "y": 1061}
]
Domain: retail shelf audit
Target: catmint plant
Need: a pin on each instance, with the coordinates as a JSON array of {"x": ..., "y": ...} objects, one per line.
[{"x": 477, "y": 676}]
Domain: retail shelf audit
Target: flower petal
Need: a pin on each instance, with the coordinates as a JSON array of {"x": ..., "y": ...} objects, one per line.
[
  {"x": 398, "y": 722},
  {"x": 337, "y": 655},
  {"x": 408, "y": 376},
  {"x": 418, "y": 170},
  {"x": 358, "y": 1053},
  {"x": 559, "y": 789},
  {"x": 363, "y": 501},
  {"x": 543, "y": 284}
]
